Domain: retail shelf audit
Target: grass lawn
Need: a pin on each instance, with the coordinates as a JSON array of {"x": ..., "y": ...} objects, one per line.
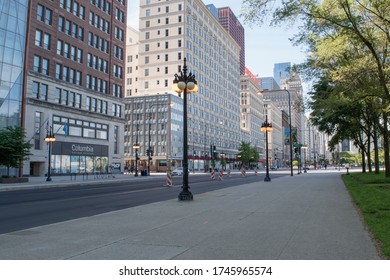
[{"x": 371, "y": 194}]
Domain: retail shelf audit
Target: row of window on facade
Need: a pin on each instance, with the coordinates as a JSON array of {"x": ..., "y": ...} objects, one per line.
[
  {"x": 74, "y": 53},
  {"x": 68, "y": 74},
  {"x": 70, "y": 28},
  {"x": 69, "y": 98},
  {"x": 78, "y": 10}
]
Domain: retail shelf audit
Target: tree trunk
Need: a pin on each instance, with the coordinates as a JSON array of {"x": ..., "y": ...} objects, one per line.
[
  {"x": 376, "y": 148},
  {"x": 363, "y": 161},
  {"x": 386, "y": 144},
  {"x": 369, "y": 162}
]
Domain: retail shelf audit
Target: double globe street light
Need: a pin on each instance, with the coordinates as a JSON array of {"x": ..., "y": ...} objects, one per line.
[
  {"x": 50, "y": 138},
  {"x": 185, "y": 83},
  {"x": 266, "y": 127}
]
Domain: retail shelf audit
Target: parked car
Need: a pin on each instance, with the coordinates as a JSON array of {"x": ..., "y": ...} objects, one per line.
[{"x": 177, "y": 171}]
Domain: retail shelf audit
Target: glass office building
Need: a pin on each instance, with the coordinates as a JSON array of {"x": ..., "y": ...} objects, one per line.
[{"x": 13, "y": 26}]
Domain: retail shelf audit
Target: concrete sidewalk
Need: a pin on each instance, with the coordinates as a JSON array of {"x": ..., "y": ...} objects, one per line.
[{"x": 305, "y": 217}]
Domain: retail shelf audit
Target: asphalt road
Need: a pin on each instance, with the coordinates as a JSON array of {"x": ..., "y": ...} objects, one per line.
[{"x": 25, "y": 209}]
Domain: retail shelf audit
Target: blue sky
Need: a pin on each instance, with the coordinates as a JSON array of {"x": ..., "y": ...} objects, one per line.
[{"x": 265, "y": 45}]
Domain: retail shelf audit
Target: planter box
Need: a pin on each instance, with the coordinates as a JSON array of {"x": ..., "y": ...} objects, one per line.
[{"x": 13, "y": 180}]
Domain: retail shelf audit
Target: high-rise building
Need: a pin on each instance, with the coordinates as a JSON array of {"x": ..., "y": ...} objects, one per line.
[
  {"x": 281, "y": 70},
  {"x": 232, "y": 25},
  {"x": 132, "y": 62},
  {"x": 172, "y": 30},
  {"x": 13, "y": 26},
  {"x": 268, "y": 83},
  {"x": 252, "y": 111},
  {"x": 75, "y": 85}
]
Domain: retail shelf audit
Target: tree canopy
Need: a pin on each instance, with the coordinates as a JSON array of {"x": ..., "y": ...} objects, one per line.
[
  {"x": 13, "y": 148},
  {"x": 247, "y": 153},
  {"x": 348, "y": 43}
]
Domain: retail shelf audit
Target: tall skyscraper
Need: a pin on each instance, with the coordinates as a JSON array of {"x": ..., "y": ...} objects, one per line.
[
  {"x": 233, "y": 26},
  {"x": 75, "y": 85},
  {"x": 172, "y": 30},
  {"x": 268, "y": 83},
  {"x": 281, "y": 70}
]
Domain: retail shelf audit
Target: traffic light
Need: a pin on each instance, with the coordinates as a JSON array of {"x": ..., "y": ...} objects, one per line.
[
  {"x": 148, "y": 152},
  {"x": 215, "y": 152}
]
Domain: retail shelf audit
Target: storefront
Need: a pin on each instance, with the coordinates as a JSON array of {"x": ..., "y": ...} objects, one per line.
[{"x": 68, "y": 157}]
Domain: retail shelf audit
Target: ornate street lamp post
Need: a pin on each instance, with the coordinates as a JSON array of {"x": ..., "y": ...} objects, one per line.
[
  {"x": 136, "y": 148},
  {"x": 266, "y": 127},
  {"x": 49, "y": 139},
  {"x": 291, "y": 144},
  {"x": 185, "y": 83}
]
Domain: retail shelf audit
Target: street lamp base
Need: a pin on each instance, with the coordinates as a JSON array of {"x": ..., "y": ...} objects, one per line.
[
  {"x": 267, "y": 179},
  {"x": 48, "y": 179},
  {"x": 185, "y": 195}
]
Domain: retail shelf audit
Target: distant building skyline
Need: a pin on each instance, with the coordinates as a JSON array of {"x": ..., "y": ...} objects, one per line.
[{"x": 281, "y": 70}]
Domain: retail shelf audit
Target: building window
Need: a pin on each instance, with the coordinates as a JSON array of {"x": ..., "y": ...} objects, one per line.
[
  {"x": 37, "y": 129},
  {"x": 44, "y": 91},
  {"x": 41, "y": 65},
  {"x": 40, "y": 13},
  {"x": 38, "y": 37},
  {"x": 116, "y": 137},
  {"x": 58, "y": 71},
  {"x": 48, "y": 16},
  {"x": 88, "y": 105},
  {"x": 35, "y": 91},
  {"x": 61, "y": 21},
  {"x": 46, "y": 41},
  {"x": 78, "y": 100}
]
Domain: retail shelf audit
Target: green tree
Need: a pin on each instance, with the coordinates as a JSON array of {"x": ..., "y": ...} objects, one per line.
[
  {"x": 245, "y": 152},
  {"x": 348, "y": 41},
  {"x": 254, "y": 155},
  {"x": 13, "y": 147},
  {"x": 248, "y": 154}
]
